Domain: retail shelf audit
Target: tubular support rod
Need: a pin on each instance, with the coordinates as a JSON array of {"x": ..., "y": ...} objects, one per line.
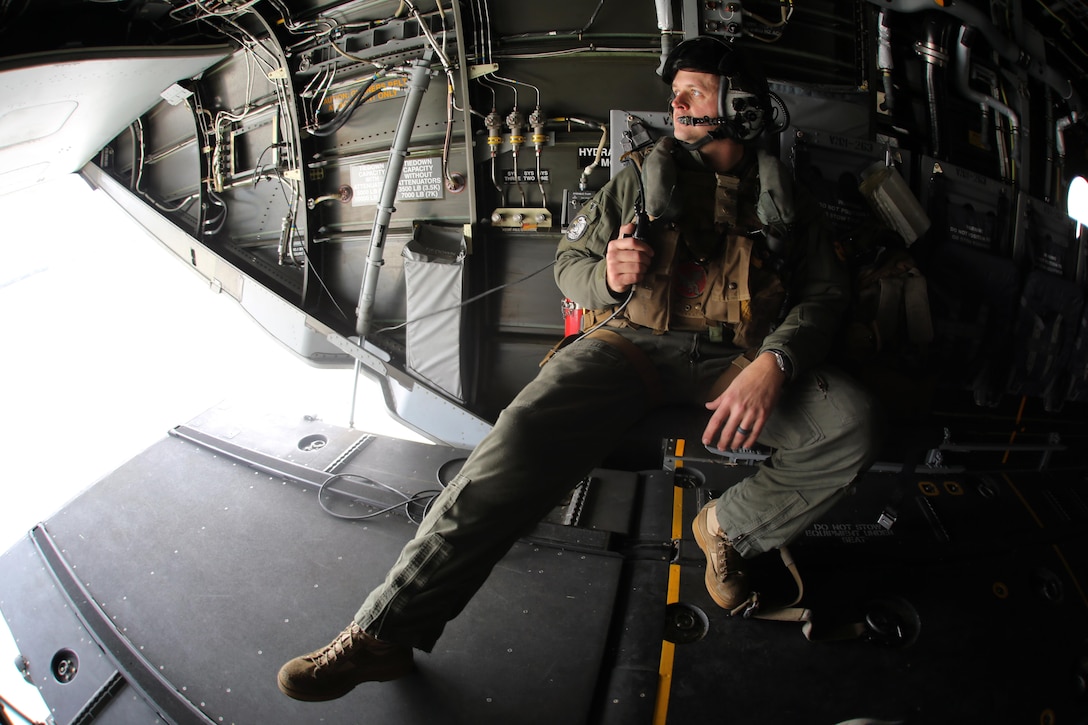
[
  {"x": 1006, "y": 48},
  {"x": 963, "y": 73},
  {"x": 418, "y": 82}
]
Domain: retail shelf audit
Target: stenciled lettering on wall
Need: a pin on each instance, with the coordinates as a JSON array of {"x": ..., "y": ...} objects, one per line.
[
  {"x": 588, "y": 154},
  {"x": 848, "y": 533},
  {"x": 379, "y": 91},
  {"x": 419, "y": 179}
]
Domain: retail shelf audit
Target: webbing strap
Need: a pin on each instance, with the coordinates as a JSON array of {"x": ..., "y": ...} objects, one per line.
[
  {"x": 916, "y": 303},
  {"x": 908, "y": 292},
  {"x": 792, "y": 613},
  {"x": 641, "y": 362},
  {"x": 730, "y": 373},
  {"x": 887, "y": 309}
]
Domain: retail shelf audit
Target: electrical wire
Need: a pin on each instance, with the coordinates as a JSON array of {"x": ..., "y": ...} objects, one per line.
[
  {"x": 592, "y": 18},
  {"x": 292, "y": 212},
  {"x": 583, "y": 50},
  {"x": 230, "y": 9},
  {"x": 320, "y": 281},
  {"x": 447, "y": 67},
  {"x": 786, "y": 6},
  {"x": 222, "y": 218},
  {"x": 467, "y": 302},
  {"x": 139, "y": 160},
  {"x": 556, "y": 33},
  {"x": 426, "y": 498},
  {"x": 483, "y": 17},
  {"x": 615, "y": 313},
  {"x": 358, "y": 98},
  {"x": 323, "y": 81}
]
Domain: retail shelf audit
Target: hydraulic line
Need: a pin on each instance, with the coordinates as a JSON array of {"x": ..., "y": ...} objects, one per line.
[
  {"x": 933, "y": 53},
  {"x": 963, "y": 73},
  {"x": 536, "y": 120},
  {"x": 515, "y": 121},
  {"x": 885, "y": 61},
  {"x": 974, "y": 18},
  {"x": 493, "y": 122},
  {"x": 600, "y": 146},
  {"x": 666, "y": 25}
]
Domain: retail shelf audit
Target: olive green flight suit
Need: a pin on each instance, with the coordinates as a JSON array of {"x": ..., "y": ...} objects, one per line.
[{"x": 585, "y": 398}]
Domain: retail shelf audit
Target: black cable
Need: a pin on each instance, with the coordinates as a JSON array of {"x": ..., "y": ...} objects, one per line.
[
  {"x": 592, "y": 18},
  {"x": 425, "y": 497},
  {"x": 222, "y": 218},
  {"x": 467, "y": 302},
  {"x": 344, "y": 114}
]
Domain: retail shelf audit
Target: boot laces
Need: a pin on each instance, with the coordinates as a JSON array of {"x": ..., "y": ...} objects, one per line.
[
  {"x": 722, "y": 559},
  {"x": 338, "y": 647}
]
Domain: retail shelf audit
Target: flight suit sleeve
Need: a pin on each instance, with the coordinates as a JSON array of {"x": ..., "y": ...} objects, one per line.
[
  {"x": 579, "y": 259},
  {"x": 819, "y": 291}
]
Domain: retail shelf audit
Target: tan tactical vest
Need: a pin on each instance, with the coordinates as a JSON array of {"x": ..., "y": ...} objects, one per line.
[{"x": 712, "y": 270}]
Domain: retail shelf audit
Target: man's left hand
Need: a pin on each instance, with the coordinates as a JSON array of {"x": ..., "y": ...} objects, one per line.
[{"x": 740, "y": 412}]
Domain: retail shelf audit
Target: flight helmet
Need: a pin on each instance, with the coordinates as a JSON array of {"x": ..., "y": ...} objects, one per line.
[{"x": 746, "y": 106}]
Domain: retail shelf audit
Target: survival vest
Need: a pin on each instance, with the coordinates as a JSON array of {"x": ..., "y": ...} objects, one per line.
[{"x": 720, "y": 243}]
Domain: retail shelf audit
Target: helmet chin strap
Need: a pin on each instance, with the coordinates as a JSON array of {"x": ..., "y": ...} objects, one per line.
[{"x": 696, "y": 145}]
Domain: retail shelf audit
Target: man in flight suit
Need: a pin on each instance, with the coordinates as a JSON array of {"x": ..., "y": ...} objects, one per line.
[{"x": 710, "y": 282}]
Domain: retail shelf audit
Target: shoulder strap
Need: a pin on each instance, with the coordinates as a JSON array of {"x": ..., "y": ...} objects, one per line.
[{"x": 775, "y": 204}]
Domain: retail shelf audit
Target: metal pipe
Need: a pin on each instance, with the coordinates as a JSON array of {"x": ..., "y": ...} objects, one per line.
[
  {"x": 1007, "y": 49},
  {"x": 1059, "y": 131},
  {"x": 885, "y": 62},
  {"x": 963, "y": 74},
  {"x": 418, "y": 82},
  {"x": 934, "y": 54},
  {"x": 963, "y": 58},
  {"x": 666, "y": 25}
]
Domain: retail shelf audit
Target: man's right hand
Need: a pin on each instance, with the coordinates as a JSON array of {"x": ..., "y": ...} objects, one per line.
[{"x": 626, "y": 260}]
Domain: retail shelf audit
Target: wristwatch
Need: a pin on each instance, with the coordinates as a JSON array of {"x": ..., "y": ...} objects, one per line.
[{"x": 783, "y": 363}]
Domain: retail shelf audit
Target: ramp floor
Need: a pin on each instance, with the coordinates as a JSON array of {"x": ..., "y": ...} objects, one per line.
[{"x": 174, "y": 589}]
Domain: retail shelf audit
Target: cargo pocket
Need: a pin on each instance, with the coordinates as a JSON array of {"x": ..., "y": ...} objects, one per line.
[{"x": 788, "y": 506}]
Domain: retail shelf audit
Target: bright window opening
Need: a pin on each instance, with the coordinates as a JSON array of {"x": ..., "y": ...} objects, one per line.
[{"x": 1077, "y": 205}]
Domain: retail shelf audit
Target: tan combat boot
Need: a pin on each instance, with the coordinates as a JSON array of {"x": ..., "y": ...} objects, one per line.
[
  {"x": 726, "y": 578},
  {"x": 352, "y": 658}
]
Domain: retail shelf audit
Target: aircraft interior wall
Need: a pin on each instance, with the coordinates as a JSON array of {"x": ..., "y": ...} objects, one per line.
[
  {"x": 383, "y": 183},
  {"x": 291, "y": 166},
  {"x": 274, "y": 161}
]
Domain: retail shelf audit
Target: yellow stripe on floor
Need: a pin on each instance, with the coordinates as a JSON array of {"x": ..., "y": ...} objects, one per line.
[{"x": 668, "y": 649}]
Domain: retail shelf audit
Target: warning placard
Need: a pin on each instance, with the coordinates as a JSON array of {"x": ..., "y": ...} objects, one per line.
[
  {"x": 420, "y": 179},
  {"x": 848, "y": 533},
  {"x": 378, "y": 91}
]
